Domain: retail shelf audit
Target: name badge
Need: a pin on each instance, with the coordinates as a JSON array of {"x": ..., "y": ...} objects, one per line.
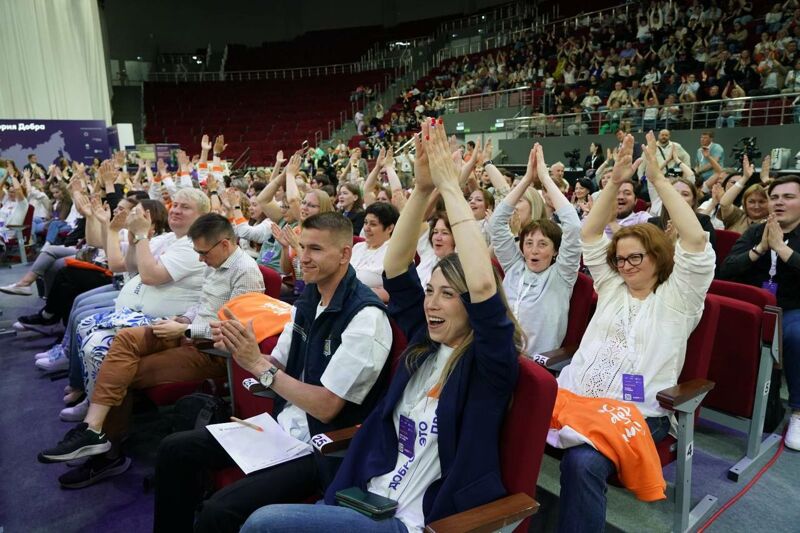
[
  {"x": 267, "y": 256},
  {"x": 771, "y": 286},
  {"x": 407, "y": 436},
  {"x": 633, "y": 387}
]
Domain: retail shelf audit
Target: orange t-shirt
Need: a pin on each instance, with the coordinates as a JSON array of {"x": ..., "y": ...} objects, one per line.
[
  {"x": 268, "y": 314},
  {"x": 618, "y": 431}
]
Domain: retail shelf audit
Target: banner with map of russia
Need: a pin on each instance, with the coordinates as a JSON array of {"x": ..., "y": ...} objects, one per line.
[{"x": 77, "y": 140}]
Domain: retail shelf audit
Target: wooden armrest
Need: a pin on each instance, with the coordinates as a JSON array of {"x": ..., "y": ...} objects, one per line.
[
  {"x": 489, "y": 517},
  {"x": 14, "y": 226},
  {"x": 673, "y": 398},
  {"x": 334, "y": 441},
  {"x": 556, "y": 359}
]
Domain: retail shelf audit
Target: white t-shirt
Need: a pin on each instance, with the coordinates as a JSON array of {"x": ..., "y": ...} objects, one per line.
[
  {"x": 368, "y": 263},
  {"x": 427, "y": 259},
  {"x": 172, "y": 298},
  {"x": 417, "y": 464},
  {"x": 353, "y": 368}
]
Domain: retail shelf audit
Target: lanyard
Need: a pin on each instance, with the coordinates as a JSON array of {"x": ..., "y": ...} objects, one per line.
[{"x": 773, "y": 268}]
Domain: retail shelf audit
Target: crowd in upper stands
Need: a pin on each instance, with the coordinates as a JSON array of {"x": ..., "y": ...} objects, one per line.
[
  {"x": 142, "y": 264},
  {"x": 645, "y": 55}
]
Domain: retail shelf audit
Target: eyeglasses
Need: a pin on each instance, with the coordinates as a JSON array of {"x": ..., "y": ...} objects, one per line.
[
  {"x": 205, "y": 253},
  {"x": 634, "y": 260},
  {"x": 305, "y": 203}
]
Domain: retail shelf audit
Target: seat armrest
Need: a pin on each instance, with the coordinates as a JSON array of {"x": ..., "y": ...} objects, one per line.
[
  {"x": 555, "y": 360},
  {"x": 206, "y": 346},
  {"x": 489, "y": 517},
  {"x": 334, "y": 441},
  {"x": 685, "y": 396}
]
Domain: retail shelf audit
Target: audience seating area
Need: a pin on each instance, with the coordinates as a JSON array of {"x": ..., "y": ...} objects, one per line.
[{"x": 264, "y": 116}]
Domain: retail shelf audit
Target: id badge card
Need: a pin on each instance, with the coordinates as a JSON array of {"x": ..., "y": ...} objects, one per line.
[
  {"x": 407, "y": 436},
  {"x": 771, "y": 286},
  {"x": 633, "y": 387}
]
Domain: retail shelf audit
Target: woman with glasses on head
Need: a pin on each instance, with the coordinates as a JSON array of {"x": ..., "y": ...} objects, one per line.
[{"x": 651, "y": 297}]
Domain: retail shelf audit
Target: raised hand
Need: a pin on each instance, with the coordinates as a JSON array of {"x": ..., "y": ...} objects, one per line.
[
  {"x": 747, "y": 168},
  {"x": 279, "y": 159},
  {"x": 294, "y": 166},
  {"x": 161, "y": 166},
  {"x": 101, "y": 211},
  {"x": 83, "y": 205},
  {"x": 205, "y": 143},
  {"x": 717, "y": 192},
  {"x": 219, "y": 145},
  {"x": 291, "y": 237},
  {"x": 120, "y": 220},
  {"x": 231, "y": 198},
  {"x": 443, "y": 171},
  {"x": 277, "y": 232},
  {"x": 388, "y": 161},
  {"x": 422, "y": 172},
  {"x": 139, "y": 221},
  {"x": 107, "y": 174},
  {"x": 775, "y": 238},
  {"x": 624, "y": 167}
]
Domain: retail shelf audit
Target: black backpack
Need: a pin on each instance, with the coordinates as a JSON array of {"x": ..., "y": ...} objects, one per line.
[{"x": 199, "y": 409}]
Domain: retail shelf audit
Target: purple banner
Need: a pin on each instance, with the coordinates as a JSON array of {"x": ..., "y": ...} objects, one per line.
[{"x": 76, "y": 140}]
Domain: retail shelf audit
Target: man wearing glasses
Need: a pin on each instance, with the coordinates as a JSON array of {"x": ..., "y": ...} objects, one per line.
[{"x": 143, "y": 357}]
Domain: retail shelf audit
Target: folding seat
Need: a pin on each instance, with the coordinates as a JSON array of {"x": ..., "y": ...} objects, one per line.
[
  {"x": 725, "y": 241},
  {"x": 21, "y": 240},
  {"x": 742, "y": 367}
]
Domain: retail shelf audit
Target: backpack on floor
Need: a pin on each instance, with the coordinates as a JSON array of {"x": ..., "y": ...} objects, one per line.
[{"x": 199, "y": 409}]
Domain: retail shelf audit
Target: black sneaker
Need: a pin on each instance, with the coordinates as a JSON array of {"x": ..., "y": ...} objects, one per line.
[
  {"x": 79, "y": 441},
  {"x": 96, "y": 469},
  {"x": 40, "y": 324}
]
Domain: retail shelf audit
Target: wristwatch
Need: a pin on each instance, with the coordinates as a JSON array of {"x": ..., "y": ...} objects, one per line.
[
  {"x": 137, "y": 238},
  {"x": 268, "y": 376},
  {"x": 488, "y": 162}
]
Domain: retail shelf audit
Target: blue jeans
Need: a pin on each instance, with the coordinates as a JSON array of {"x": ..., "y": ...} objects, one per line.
[
  {"x": 86, "y": 304},
  {"x": 53, "y": 229},
  {"x": 584, "y": 475},
  {"x": 791, "y": 355},
  {"x": 306, "y": 518}
]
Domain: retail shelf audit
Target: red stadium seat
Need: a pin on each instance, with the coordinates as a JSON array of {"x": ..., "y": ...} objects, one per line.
[{"x": 742, "y": 367}]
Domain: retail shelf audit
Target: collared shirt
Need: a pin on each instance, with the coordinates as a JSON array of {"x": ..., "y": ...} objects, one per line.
[
  {"x": 239, "y": 274},
  {"x": 739, "y": 267}
]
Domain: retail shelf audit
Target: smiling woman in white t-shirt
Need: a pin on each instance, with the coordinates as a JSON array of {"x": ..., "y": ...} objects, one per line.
[
  {"x": 367, "y": 256},
  {"x": 432, "y": 443}
]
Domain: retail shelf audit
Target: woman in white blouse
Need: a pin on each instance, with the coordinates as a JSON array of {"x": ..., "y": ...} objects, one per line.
[{"x": 651, "y": 297}]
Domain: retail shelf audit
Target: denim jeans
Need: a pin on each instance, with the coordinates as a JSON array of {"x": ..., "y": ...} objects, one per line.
[
  {"x": 584, "y": 475},
  {"x": 306, "y": 518},
  {"x": 53, "y": 230},
  {"x": 791, "y": 355}
]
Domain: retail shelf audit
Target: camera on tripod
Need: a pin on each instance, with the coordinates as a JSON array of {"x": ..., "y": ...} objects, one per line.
[
  {"x": 746, "y": 146},
  {"x": 574, "y": 157}
]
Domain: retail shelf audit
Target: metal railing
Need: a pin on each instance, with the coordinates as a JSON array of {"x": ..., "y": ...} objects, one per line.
[
  {"x": 517, "y": 97},
  {"x": 276, "y": 74},
  {"x": 770, "y": 110}
]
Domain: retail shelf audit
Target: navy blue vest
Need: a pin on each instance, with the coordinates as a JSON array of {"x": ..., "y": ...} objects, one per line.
[{"x": 314, "y": 341}]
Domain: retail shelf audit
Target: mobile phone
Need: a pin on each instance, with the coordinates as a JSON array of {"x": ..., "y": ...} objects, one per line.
[{"x": 369, "y": 504}]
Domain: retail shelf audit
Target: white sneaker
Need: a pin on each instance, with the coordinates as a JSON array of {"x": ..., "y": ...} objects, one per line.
[
  {"x": 19, "y": 326},
  {"x": 75, "y": 414},
  {"x": 56, "y": 352},
  {"x": 792, "y": 439},
  {"x": 52, "y": 365},
  {"x": 22, "y": 290}
]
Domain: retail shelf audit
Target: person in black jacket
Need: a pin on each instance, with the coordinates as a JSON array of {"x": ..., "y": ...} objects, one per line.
[{"x": 767, "y": 255}]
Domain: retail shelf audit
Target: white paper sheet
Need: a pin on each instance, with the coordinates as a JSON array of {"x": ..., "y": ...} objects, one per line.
[{"x": 254, "y": 450}]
